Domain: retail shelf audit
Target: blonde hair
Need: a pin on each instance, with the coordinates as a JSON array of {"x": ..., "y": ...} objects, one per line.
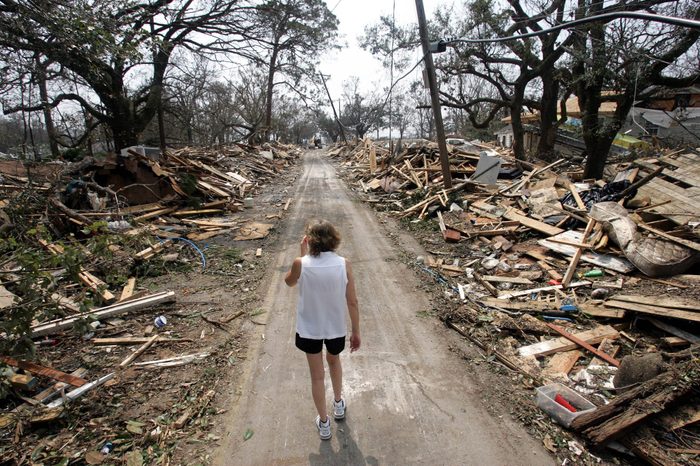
[{"x": 322, "y": 236}]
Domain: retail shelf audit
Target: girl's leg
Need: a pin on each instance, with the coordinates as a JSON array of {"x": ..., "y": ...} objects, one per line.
[
  {"x": 336, "y": 371},
  {"x": 318, "y": 386}
]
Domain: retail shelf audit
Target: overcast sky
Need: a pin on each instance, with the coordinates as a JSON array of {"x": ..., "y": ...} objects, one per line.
[{"x": 354, "y": 15}]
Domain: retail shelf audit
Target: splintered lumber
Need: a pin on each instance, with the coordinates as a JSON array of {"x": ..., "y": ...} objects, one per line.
[
  {"x": 372, "y": 159},
  {"x": 673, "y": 303},
  {"x": 669, "y": 386},
  {"x": 606, "y": 346},
  {"x": 605, "y": 357},
  {"x": 515, "y": 294},
  {"x": 155, "y": 213},
  {"x": 577, "y": 255},
  {"x": 153, "y": 250},
  {"x": 499, "y": 279},
  {"x": 87, "y": 278},
  {"x": 602, "y": 260},
  {"x": 557, "y": 345},
  {"x": 54, "y": 390},
  {"x": 687, "y": 243},
  {"x": 489, "y": 287},
  {"x": 128, "y": 289},
  {"x": 57, "y": 325},
  {"x": 139, "y": 351},
  {"x": 24, "y": 382},
  {"x": 654, "y": 310},
  {"x": 172, "y": 362},
  {"x": 562, "y": 363},
  {"x": 131, "y": 340},
  {"x": 680, "y": 333},
  {"x": 286, "y": 205},
  {"x": 45, "y": 371},
  {"x": 73, "y": 394},
  {"x": 518, "y": 216},
  {"x": 602, "y": 311}
]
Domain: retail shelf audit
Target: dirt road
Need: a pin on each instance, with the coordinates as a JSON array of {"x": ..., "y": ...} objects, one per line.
[{"x": 410, "y": 400}]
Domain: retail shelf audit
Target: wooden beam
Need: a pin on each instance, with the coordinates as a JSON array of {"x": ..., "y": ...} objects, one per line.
[
  {"x": 45, "y": 371},
  {"x": 518, "y": 216},
  {"x": 128, "y": 289},
  {"x": 687, "y": 243},
  {"x": 583, "y": 344},
  {"x": 126, "y": 362},
  {"x": 577, "y": 255},
  {"x": 557, "y": 345},
  {"x": 654, "y": 310},
  {"x": 57, "y": 325},
  {"x": 673, "y": 303},
  {"x": 515, "y": 294}
]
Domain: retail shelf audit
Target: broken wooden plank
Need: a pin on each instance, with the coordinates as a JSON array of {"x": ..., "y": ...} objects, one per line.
[
  {"x": 519, "y": 216},
  {"x": 583, "y": 344},
  {"x": 577, "y": 255},
  {"x": 500, "y": 279},
  {"x": 57, "y": 325},
  {"x": 126, "y": 362},
  {"x": 673, "y": 330},
  {"x": 286, "y": 205},
  {"x": 545, "y": 348},
  {"x": 654, "y": 310},
  {"x": 561, "y": 363},
  {"x": 685, "y": 242},
  {"x": 132, "y": 340},
  {"x": 152, "y": 250},
  {"x": 601, "y": 260},
  {"x": 128, "y": 289},
  {"x": 46, "y": 395},
  {"x": 515, "y": 294},
  {"x": 489, "y": 287},
  {"x": 155, "y": 213},
  {"x": 73, "y": 394},
  {"x": 43, "y": 370},
  {"x": 608, "y": 347},
  {"x": 666, "y": 301}
]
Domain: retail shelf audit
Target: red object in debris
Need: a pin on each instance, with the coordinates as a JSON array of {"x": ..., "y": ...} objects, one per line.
[
  {"x": 560, "y": 399},
  {"x": 554, "y": 282}
]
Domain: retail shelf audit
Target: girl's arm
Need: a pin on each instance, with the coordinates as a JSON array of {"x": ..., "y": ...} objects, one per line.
[
  {"x": 353, "y": 309},
  {"x": 294, "y": 273}
]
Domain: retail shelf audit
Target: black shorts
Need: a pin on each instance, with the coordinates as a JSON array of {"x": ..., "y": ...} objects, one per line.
[{"x": 309, "y": 345}]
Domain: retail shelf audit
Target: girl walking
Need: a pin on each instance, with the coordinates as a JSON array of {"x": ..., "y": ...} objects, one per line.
[{"x": 326, "y": 293}]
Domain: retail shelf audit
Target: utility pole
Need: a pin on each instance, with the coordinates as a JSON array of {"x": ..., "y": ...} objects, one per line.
[
  {"x": 434, "y": 96},
  {"x": 330, "y": 99}
]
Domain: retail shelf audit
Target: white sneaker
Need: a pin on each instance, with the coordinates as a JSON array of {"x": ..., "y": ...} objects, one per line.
[
  {"x": 339, "y": 409},
  {"x": 324, "y": 428}
]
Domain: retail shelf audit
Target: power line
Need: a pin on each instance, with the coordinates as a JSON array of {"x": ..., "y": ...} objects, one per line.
[{"x": 693, "y": 24}]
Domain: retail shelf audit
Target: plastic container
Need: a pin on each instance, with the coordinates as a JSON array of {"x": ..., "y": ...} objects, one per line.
[
  {"x": 545, "y": 401},
  {"x": 248, "y": 202},
  {"x": 160, "y": 321}
]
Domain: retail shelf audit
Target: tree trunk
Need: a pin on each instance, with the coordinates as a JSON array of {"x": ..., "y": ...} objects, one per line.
[
  {"x": 48, "y": 119},
  {"x": 516, "y": 109},
  {"x": 270, "y": 88},
  {"x": 548, "y": 115}
]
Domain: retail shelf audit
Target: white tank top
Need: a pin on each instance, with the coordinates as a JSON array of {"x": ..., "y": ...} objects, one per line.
[{"x": 322, "y": 306}]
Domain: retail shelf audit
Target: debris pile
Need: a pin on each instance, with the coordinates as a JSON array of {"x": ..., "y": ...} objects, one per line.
[
  {"x": 564, "y": 280},
  {"x": 76, "y": 238}
]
